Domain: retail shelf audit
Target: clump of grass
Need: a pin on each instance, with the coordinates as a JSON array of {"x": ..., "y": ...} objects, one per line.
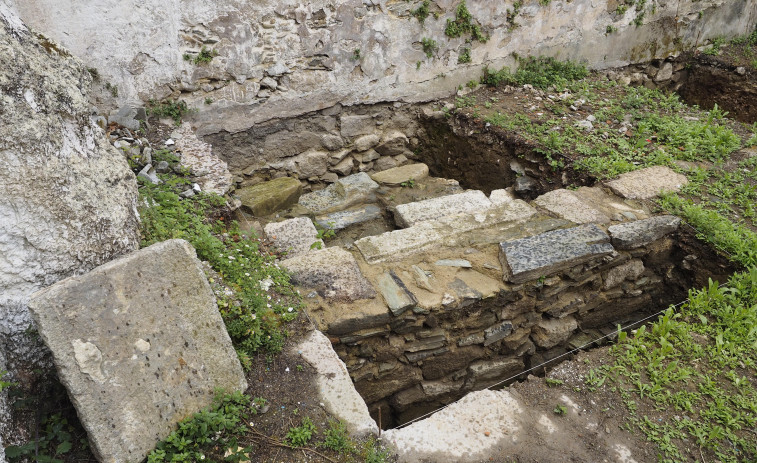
[
  {"x": 422, "y": 12},
  {"x": 429, "y": 46},
  {"x": 255, "y": 314},
  {"x": 463, "y": 25},
  {"x": 541, "y": 72},
  {"x": 174, "y": 109}
]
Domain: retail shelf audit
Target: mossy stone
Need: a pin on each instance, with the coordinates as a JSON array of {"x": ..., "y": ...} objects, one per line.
[{"x": 268, "y": 197}]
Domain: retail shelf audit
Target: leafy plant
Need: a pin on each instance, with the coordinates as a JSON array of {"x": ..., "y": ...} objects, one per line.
[
  {"x": 215, "y": 427},
  {"x": 422, "y": 12},
  {"x": 560, "y": 410},
  {"x": 53, "y": 443},
  {"x": 409, "y": 183},
  {"x": 4, "y": 384},
  {"x": 356, "y": 54},
  {"x": 299, "y": 436},
  {"x": 429, "y": 46},
  {"x": 336, "y": 437},
  {"x": 541, "y": 72},
  {"x": 175, "y": 109},
  {"x": 551, "y": 382},
  {"x": 464, "y": 56},
  {"x": 205, "y": 56}
]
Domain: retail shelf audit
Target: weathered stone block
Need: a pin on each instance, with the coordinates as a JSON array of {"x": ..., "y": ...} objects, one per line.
[
  {"x": 495, "y": 370},
  {"x": 268, "y": 197},
  {"x": 139, "y": 344},
  {"x": 569, "y": 206},
  {"x": 447, "y": 231},
  {"x": 353, "y": 216},
  {"x": 335, "y": 388},
  {"x": 332, "y": 272},
  {"x": 442, "y": 365},
  {"x": 468, "y": 202},
  {"x": 349, "y": 191},
  {"x": 647, "y": 183},
  {"x": 642, "y": 232},
  {"x": 393, "y": 143},
  {"x": 628, "y": 271},
  {"x": 366, "y": 142},
  {"x": 542, "y": 255},
  {"x": 553, "y": 331},
  {"x": 399, "y": 175},
  {"x": 497, "y": 332},
  {"x": 294, "y": 236}
]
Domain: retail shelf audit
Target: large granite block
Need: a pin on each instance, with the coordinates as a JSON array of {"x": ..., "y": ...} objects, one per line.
[
  {"x": 332, "y": 272},
  {"x": 139, "y": 344},
  {"x": 467, "y": 202},
  {"x": 542, "y": 255},
  {"x": 642, "y": 232},
  {"x": 353, "y": 216},
  {"x": 570, "y": 206}
]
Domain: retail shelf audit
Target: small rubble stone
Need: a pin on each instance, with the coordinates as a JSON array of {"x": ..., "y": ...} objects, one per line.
[
  {"x": 332, "y": 272},
  {"x": 148, "y": 174},
  {"x": 544, "y": 254},
  {"x": 294, "y": 236},
  {"x": 344, "y": 167},
  {"x": 367, "y": 142},
  {"x": 497, "y": 332},
  {"x": 384, "y": 163},
  {"x": 332, "y": 142},
  {"x": 422, "y": 279},
  {"x": 395, "y": 293},
  {"x": 462, "y": 263},
  {"x": 502, "y": 196},
  {"x": 647, "y": 183},
  {"x": 493, "y": 370},
  {"x": 553, "y": 331},
  {"x": 525, "y": 185},
  {"x": 467, "y": 202},
  {"x": 569, "y": 206},
  {"x": 665, "y": 72},
  {"x": 139, "y": 344},
  {"x": 631, "y": 270},
  {"x": 393, "y": 143},
  {"x": 312, "y": 164},
  {"x": 398, "y": 175},
  {"x": 465, "y": 294},
  {"x": 268, "y": 197},
  {"x": 642, "y": 232}
]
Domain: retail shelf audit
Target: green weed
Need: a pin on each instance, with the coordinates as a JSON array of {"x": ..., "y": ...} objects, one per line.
[
  {"x": 175, "y": 109},
  {"x": 429, "y": 46},
  {"x": 299, "y": 436}
]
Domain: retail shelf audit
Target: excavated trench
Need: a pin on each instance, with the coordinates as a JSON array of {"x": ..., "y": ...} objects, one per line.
[{"x": 446, "y": 360}]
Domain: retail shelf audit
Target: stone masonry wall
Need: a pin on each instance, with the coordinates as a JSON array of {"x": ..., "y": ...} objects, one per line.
[{"x": 281, "y": 59}]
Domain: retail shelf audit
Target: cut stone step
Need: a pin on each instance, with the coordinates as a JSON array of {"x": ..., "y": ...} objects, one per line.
[
  {"x": 349, "y": 191},
  {"x": 503, "y": 220},
  {"x": 468, "y": 202},
  {"x": 400, "y": 175},
  {"x": 542, "y": 255},
  {"x": 642, "y": 232},
  {"x": 293, "y": 236}
]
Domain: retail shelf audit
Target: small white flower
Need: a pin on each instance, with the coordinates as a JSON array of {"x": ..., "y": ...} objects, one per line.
[
  {"x": 269, "y": 305},
  {"x": 254, "y": 316},
  {"x": 231, "y": 258},
  {"x": 246, "y": 274},
  {"x": 289, "y": 309},
  {"x": 269, "y": 297}
]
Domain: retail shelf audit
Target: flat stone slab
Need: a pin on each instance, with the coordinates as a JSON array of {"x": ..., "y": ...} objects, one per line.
[
  {"x": 268, "y": 197},
  {"x": 502, "y": 196},
  {"x": 335, "y": 387},
  {"x": 467, "y": 202},
  {"x": 349, "y": 191},
  {"x": 398, "y": 175},
  {"x": 647, "y": 183},
  {"x": 642, "y": 232},
  {"x": 446, "y": 231},
  {"x": 139, "y": 344},
  {"x": 293, "y": 236},
  {"x": 468, "y": 430},
  {"x": 569, "y": 206},
  {"x": 544, "y": 254},
  {"x": 395, "y": 293},
  {"x": 347, "y": 218},
  {"x": 332, "y": 272}
]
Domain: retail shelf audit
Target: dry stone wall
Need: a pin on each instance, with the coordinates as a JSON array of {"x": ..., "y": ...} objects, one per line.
[{"x": 473, "y": 289}]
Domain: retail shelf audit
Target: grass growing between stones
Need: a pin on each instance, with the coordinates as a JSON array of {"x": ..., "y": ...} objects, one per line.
[
  {"x": 256, "y": 297},
  {"x": 688, "y": 380}
]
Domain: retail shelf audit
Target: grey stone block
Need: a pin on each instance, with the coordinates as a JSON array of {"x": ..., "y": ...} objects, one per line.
[
  {"x": 349, "y": 217},
  {"x": 569, "y": 206},
  {"x": 499, "y": 331},
  {"x": 647, "y": 183},
  {"x": 294, "y": 236},
  {"x": 642, "y": 232},
  {"x": 349, "y": 191},
  {"x": 395, "y": 293},
  {"x": 467, "y": 202},
  {"x": 542, "y": 255},
  {"x": 139, "y": 344}
]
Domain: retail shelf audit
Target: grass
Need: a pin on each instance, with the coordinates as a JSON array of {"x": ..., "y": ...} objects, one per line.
[
  {"x": 693, "y": 370},
  {"x": 174, "y": 109},
  {"x": 263, "y": 299},
  {"x": 430, "y": 47},
  {"x": 463, "y": 24}
]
